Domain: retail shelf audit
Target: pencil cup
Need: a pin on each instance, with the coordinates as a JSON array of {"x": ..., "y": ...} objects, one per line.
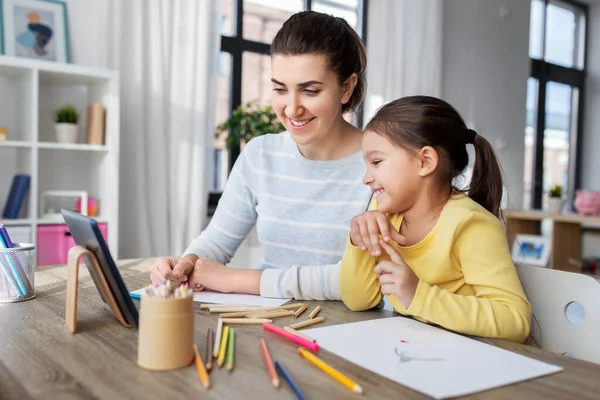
[
  {"x": 17, "y": 266},
  {"x": 166, "y": 333}
]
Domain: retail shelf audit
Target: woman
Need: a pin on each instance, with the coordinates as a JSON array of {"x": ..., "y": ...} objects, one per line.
[{"x": 299, "y": 188}]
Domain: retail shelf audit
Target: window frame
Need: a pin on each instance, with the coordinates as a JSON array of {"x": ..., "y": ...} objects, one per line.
[
  {"x": 545, "y": 72},
  {"x": 235, "y": 45}
]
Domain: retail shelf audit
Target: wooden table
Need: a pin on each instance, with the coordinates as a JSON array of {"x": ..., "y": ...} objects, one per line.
[{"x": 40, "y": 359}]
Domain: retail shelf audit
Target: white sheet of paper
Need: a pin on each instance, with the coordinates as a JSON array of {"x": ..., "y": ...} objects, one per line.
[
  {"x": 441, "y": 364},
  {"x": 232, "y": 298}
]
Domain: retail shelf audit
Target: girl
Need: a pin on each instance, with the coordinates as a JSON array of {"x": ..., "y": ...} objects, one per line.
[
  {"x": 300, "y": 188},
  {"x": 450, "y": 264}
]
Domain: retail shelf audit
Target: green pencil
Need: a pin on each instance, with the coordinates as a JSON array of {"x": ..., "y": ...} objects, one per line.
[{"x": 230, "y": 347}]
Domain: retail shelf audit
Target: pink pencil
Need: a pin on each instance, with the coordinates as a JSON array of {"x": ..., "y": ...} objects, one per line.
[{"x": 294, "y": 338}]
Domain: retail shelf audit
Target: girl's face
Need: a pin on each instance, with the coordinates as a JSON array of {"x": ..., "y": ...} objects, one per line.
[
  {"x": 307, "y": 97},
  {"x": 393, "y": 173}
]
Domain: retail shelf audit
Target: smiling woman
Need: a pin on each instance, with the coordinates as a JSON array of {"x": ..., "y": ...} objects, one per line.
[{"x": 299, "y": 188}]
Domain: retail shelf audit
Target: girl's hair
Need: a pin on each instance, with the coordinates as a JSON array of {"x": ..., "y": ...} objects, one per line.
[
  {"x": 311, "y": 32},
  {"x": 418, "y": 121}
]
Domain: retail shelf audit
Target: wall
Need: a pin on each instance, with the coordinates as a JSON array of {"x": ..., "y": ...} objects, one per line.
[
  {"x": 88, "y": 31},
  {"x": 485, "y": 70}
]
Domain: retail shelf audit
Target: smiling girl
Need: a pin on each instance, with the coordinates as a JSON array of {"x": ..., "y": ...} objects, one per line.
[
  {"x": 299, "y": 188},
  {"x": 445, "y": 257}
]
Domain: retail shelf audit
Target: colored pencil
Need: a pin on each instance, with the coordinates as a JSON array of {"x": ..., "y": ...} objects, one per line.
[
  {"x": 329, "y": 370},
  {"x": 245, "y": 321},
  {"x": 295, "y": 332},
  {"x": 293, "y": 305},
  {"x": 308, "y": 322},
  {"x": 218, "y": 338},
  {"x": 230, "y": 350},
  {"x": 289, "y": 380},
  {"x": 300, "y": 311},
  {"x": 269, "y": 363},
  {"x": 200, "y": 368},
  {"x": 209, "y": 348},
  {"x": 294, "y": 338},
  {"x": 314, "y": 312},
  {"x": 274, "y": 314},
  {"x": 223, "y": 348}
]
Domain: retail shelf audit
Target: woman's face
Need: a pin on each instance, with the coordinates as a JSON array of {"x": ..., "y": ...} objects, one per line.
[{"x": 307, "y": 97}]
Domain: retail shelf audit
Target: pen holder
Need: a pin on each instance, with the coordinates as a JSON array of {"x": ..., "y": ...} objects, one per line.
[
  {"x": 166, "y": 333},
  {"x": 17, "y": 266}
]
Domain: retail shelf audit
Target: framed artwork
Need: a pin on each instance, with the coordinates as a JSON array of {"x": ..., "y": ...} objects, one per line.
[
  {"x": 531, "y": 250},
  {"x": 35, "y": 29}
]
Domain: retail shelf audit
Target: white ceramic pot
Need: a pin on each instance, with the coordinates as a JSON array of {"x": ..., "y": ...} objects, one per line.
[
  {"x": 554, "y": 205},
  {"x": 67, "y": 133}
]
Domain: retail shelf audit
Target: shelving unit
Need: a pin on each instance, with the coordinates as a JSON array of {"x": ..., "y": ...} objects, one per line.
[{"x": 30, "y": 91}]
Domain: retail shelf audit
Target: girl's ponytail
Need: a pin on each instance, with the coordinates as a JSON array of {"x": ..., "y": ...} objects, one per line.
[{"x": 486, "y": 182}]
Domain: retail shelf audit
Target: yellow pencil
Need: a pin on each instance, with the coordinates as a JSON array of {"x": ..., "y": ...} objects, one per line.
[
  {"x": 223, "y": 348},
  {"x": 200, "y": 368},
  {"x": 329, "y": 370}
]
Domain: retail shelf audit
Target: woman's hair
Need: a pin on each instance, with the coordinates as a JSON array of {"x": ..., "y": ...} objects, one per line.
[
  {"x": 418, "y": 121},
  {"x": 311, "y": 32}
]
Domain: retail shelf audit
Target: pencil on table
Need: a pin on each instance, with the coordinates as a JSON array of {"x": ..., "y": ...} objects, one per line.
[
  {"x": 273, "y": 314},
  {"x": 329, "y": 370},
  {"x": 289, "y": 380},
  {"x": 293, "y": 305},
  {"x": 200, "y": 368},
  {"x": 223, "y": 348},
  {"x": 230, "y": 347},
  {"x": 209, "y": 348},
  {"x": 218, "y": 338},
  {"x": 308, "y": 322},
  {"x": 300, "y": 311},
  {"x": 314, "y": 312},
  {"x": 269, "y": 363},
  {"x": 295, "y": 332},
  {"x": 245, "y": 321}
]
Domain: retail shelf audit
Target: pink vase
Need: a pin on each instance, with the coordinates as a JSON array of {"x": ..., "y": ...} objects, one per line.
[{"x": 587, "y": 202}]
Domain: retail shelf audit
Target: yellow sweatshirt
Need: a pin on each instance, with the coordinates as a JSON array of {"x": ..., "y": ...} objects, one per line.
[{"x": 467, "y": 280}]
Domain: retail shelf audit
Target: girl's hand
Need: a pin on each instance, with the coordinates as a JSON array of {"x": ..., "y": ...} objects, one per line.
[
  {"x": 366, "y": 229},
  {"x": 395, "y": 277},
  {"x": 215, "y": 276},
  {"x": 168, "y": 268}
]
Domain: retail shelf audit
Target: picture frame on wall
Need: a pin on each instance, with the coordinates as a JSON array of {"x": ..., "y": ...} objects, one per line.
[
  {"x": 531, "y": 250},
  {"x": 36, "y": 29}
]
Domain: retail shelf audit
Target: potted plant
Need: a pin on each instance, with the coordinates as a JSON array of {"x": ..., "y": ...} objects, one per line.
[
  {"x": 555, "y": 199},
  {"x": 65, "y": 119},
  {"x": 248, "y": 121}
]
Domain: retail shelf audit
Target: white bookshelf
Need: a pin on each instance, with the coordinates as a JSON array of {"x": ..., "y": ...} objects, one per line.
[{"x": 30, "y": 91}]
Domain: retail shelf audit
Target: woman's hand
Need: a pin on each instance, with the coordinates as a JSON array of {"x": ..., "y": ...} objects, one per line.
[
  {"x": 395, "y": 277},
  {"x": 368, "y": 228},
  {"x": 167, "y": 268},
  {"x": 215, "y": 276}
]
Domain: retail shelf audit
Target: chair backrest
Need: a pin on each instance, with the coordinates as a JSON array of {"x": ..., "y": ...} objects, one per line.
[{"x": 566, "y": 310}]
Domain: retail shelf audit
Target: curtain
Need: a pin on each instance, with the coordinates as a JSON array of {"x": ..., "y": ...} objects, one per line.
[
  {"x": 166, "y": 52},
  {"x": 404, "y": 47}
]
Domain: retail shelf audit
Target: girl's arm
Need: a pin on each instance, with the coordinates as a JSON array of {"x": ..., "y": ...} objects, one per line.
[
  {"x": 359, "y": 286},
  {"x": 499, "y": 308}
]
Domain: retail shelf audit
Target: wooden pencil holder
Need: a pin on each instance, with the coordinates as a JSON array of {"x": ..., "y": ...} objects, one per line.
[
  {"x": 75, "y": 254},
  {"x": 166, "y": 333}
]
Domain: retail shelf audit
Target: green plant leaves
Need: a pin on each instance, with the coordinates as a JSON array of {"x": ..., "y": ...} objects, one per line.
[
  {"x": 248, "y": 121},
  {"x": 66, "y": 114}
]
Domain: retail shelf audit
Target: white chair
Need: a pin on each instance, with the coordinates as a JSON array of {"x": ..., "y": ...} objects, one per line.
[{"x": 566, "y": 311}]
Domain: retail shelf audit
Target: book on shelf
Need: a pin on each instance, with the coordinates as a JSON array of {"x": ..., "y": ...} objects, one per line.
[
  {"x": 16, "y": 196},
  {"x": 96, "y": 123}
]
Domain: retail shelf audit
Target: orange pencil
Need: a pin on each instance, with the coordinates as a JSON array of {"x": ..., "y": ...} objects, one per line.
[
  {"x": 200, "y": 368},
  {"x": 269, "y": 364}
]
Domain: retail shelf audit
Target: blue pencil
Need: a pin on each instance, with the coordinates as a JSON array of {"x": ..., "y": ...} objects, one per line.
[
  {"x": 289, "y": 380},
  {"x": 13, "y": 275}
]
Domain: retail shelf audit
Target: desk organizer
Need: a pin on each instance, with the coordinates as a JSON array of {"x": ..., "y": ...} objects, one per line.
[
  {"x": 166, "y": 337},
  {"x": 17, "y": 266}
]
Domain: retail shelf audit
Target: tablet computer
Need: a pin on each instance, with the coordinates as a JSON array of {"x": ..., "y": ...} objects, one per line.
[{"x": 86, "y": 233}]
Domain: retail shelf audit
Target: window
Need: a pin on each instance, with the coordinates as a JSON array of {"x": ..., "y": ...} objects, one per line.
[
  {"x": 554, "y": 99},
  {"x": 244, "y": 65}
]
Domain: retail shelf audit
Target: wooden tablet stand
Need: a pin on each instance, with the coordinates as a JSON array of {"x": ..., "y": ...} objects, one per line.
[{"x": 75, "y": 254}]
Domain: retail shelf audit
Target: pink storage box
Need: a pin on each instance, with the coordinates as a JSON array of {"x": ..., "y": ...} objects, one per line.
[{"x": 54, "y": 243}]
